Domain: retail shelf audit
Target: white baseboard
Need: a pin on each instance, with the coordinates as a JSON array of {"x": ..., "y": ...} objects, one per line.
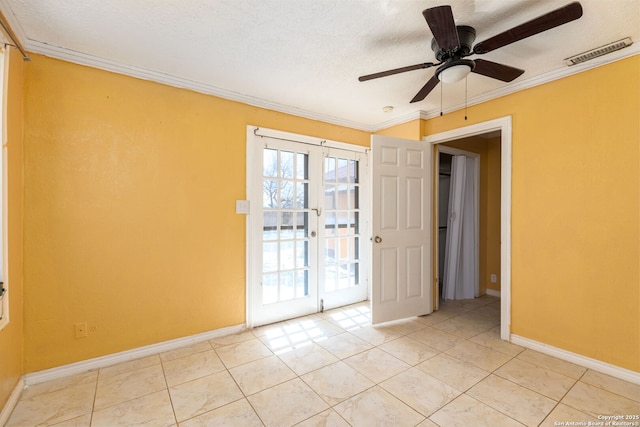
[
  {"x": 578, "y": 359},
  {"x": 11, "y": 402},
  {"x": 125, "y": 356},
  {"x": 493, "y": 293}
]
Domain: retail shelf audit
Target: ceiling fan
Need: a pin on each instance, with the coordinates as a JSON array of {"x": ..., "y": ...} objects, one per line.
[{"x": 452, "y": 44}]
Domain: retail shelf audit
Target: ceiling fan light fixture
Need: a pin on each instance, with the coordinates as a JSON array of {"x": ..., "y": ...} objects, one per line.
[{"x": 455, "y": 71}]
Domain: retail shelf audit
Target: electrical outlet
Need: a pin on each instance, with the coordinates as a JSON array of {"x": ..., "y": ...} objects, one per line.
[
  {"x": 494, "y": 278},
  {"x": 81, "y": 329},
  {"x": 93, "y": 327}
]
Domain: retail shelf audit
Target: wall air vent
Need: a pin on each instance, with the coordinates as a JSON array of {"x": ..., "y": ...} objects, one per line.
[{"x": 599, "y": 51}]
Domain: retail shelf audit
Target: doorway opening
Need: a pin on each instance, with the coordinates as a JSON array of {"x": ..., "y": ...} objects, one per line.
[
  {"x": 495, "y": 269},
  {"x": 458, "y": 212}
]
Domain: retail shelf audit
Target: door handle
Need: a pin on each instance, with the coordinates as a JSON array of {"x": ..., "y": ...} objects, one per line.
[{"x": 377, "y": 239}]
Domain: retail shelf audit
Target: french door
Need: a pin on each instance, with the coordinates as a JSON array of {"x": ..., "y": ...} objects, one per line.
[{"x": 308, "y": 219}]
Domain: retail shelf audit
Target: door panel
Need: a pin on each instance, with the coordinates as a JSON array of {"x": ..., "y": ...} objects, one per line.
[
  {"x": 401, "y": 226},
  {"x": 415, "y": 275},
  {"x": 415, "y": 202},
  {"x": 389, "y": 210}
]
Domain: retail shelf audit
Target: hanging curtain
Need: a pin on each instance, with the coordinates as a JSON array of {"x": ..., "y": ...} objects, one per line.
[{"x": 460, "y": 250}]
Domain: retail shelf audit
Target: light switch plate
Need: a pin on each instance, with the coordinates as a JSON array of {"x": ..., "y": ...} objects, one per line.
[{"x": 242, "y": 207}]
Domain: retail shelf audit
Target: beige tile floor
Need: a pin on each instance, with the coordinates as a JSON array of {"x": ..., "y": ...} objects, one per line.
[{"x": 449, "y": 368}]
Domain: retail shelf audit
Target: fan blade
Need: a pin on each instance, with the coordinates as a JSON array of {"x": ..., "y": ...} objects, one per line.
[
  {"x": 422, "y": 94},
  {"x": 542, "y": 23},
  {"x": 395, "y": 71},
  {"x": 496, "y": 71},
  {"x": 443, "y": 27}
]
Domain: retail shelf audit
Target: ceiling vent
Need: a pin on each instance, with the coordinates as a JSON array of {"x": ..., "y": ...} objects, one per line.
[{"x": 599, "y": 51}]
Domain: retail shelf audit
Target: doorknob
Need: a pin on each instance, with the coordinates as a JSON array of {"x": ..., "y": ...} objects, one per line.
[
  {"x": 377, "y": 239},
  {"x": 313, "y": 234}
]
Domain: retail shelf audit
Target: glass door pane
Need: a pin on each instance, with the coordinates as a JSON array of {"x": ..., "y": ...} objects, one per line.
[
  {"x": 285, "y": 232},
  {"x": 341, "y": 278}
]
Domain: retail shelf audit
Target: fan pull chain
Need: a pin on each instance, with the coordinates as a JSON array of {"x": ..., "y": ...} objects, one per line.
[{"x": 465, "y": 97}]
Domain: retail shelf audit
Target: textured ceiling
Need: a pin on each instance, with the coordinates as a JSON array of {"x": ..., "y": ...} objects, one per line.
[{"x": 304, "y": 56}]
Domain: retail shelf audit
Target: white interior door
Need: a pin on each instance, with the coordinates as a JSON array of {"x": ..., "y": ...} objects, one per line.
[
  {"x": 401, "y": 229},
  {"x": 309, "y": 211}
]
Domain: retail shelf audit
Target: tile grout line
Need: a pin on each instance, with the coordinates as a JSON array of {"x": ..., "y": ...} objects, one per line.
[
  {"x": 95, "y": 396},
  {"x": 495, "y": 409},
  {"x": 166, "y": 382},
  {"x": 245, "y": 396}
]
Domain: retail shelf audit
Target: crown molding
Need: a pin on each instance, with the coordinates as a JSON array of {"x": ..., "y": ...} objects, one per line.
[
  {"x": 144, "y": 74},
  {"x": 171, "y": 80},
  {"x": 397, "y": 121}
]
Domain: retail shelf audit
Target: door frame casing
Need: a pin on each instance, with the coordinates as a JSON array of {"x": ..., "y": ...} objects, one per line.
[
  {"x": 476, "y": 206},
  {"x": 253, "y": 150},
  {"x": 504, "y": 125}
]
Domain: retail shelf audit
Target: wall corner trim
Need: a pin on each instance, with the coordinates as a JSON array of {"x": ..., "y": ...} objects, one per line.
[
  {"x": 578, "y": 359},
  {"x": 12, "y": 402},
  {"x": 125, "y": 356}
]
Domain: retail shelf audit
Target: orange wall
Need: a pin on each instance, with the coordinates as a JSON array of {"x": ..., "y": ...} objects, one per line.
[
  {"x": 11, "y": 349},
  {"x": 408, "y": 130},
  {"x": 575, "y": 280},
  {"x": 130, "y": 219}
]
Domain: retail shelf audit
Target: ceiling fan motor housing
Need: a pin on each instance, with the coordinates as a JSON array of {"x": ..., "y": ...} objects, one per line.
[{"x": 466, "y": 35}]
